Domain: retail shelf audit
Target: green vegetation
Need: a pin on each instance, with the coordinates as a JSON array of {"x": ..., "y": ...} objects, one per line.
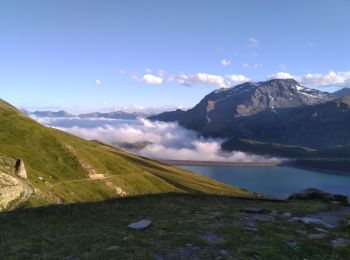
[
  {"x": 180, "y": 222},
  {"x": 65, "y": 169}
]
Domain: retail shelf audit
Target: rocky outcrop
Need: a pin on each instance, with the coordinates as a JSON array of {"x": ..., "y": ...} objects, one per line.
[
  {"x": 321, "y": 195},
  {"x": 20, "y": 169}
]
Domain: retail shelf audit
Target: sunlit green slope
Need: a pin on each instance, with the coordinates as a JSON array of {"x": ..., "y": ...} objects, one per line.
[{"x": 63, "y": 168}]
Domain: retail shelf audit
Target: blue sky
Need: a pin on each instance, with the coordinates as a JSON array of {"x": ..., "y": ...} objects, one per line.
[{"x": 88, "y": 55}]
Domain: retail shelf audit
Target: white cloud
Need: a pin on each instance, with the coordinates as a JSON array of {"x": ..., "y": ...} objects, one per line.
[
  {"x": 238, "y": 79},
  {"x": 169, "y": 140},
  {"x": 281, "y": 75},
  {"x": 149, "y": 79},
  {"x": 225, "y": 62},
  {"x": 332, "y": 78},
  {"x": 253, "y": 43},
  {"x": 148, "y": 70},
  {"x": 98, "y": 82},
  {"x": 209, "y": 79},
  {"x": 245, "y": 65},
  {"x": 202, "y": 78},
  {"x": 121, "y": 72},
  {"x": 329, "y": 79}
]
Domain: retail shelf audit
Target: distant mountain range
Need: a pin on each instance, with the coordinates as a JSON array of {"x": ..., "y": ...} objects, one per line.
[
  {"x": 111, "y": 115},
  {"x": 278, "y": 116},
  {"x": 342, "y": 92}
]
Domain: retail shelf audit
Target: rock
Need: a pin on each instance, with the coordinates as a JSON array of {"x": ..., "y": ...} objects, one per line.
[
  {"x": 340, "y": 242},
  {"x": 186, "y": 252},
  {"x": 321, "y": 195},
  {"x": 41, "y": 178},
  {"x": 158, "y": 257},
  {"x": 225, "y": 253},
  {"x": 20, "y": 169},
  {"x": 312, "y": 221},
  {"x": 317, "y": 236},
  {"x": 292, "y": 244},
  {"x": 212, "y": 238},
  {"x": 286, "y": 215},
  {"x": 321, "y": 230},
  {"x": 328, "y": 219},
  {"x": 252, "y": 210},
  {"x": 215, "y": 214},
  {"x": 113, "y": 248},
  {"x": 302, "y": 232},
  {"x": 142, "y": 224}
]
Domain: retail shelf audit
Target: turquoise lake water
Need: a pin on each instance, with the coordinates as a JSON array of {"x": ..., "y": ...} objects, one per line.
[{"x": 278, "y": 181}]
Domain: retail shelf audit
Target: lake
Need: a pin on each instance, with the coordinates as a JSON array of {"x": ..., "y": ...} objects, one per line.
[{"x": 278, "y": 181}]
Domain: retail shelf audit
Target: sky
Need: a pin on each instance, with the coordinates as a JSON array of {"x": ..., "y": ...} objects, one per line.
[{"x": 98, "y": 55}]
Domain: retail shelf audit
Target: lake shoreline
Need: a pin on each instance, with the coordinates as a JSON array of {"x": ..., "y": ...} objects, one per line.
[
  {"x": 219, "y": 163},
  {"x": 293, "y": 164}
]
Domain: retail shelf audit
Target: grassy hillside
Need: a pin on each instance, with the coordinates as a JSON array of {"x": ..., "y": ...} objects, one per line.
[
  {"x": 63, "y": 168},
  {"x": 184, "y": 226}
]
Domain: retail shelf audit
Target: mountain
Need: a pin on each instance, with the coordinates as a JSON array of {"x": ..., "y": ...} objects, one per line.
[
  {"x": 60, "y": 113},
  {"x": 114, "y": 115},
  {"x": 215, "y": 112},
  {"x": 342, "y": 92},
  {"x": 41, "y": 165},
  {"x": 111, "y": 115},
  {"x": 319, "y": 127},
  {"x": 170, "y": 116}
]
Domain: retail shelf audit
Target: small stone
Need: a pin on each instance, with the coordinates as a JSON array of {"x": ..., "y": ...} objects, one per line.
[
  {"x": 142, "y": 224},
  {"x": 317, "y": 236},
  {"x": 40, "y": 178},
  {"x": 301, "y": 232},
  {"x": 274, "y": 213},
  {"x": 312, "y": 221},
  {"x": 340, "y": 242},
  {"x": 158, "y": 257},
  {"x": 252, "y": 210},
  {"x": 286, "y": 215},
  {"x": 292, "y": 244},
  {"x": 321, "y": 230},
  {"x": 113, "y": 248},
  {"x": 224, "y": 253},
  {"x": 216, "y": 214},
  {"x": 212, "y": 238}
]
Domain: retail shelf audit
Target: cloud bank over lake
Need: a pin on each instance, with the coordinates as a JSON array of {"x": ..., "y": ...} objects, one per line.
[{"x": 162, "y": 140}]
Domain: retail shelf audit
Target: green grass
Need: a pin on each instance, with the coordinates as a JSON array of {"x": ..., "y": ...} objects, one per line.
[
  {"x": 86, "y": 230},
  {"x": 58, "y": 165}
]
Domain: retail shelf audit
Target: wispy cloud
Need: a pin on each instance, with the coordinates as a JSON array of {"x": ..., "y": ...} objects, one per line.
[
  {"x": 253, "y": 43},
  {"x": 98, "y": 82},
  {"x": 149, "y": 79},
  {"x": 332, "y": 78},
  {"x": 225, "y": 62}
]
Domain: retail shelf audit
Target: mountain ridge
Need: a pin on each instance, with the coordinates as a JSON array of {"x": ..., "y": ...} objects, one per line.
[{"x": 220, "y": 107}]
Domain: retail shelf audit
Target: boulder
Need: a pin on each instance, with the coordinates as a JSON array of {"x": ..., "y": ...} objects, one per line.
[
  {"x": 340, "y": 242},
  {"x": 252, "y": 210},
  {"x": 142, "y": 224},
  {"x": 320, "y": 195},
  {"x": 20, "y": 169}
]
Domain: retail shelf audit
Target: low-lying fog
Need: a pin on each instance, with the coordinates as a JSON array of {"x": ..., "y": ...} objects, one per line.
[{"x": 159, "y": 140}]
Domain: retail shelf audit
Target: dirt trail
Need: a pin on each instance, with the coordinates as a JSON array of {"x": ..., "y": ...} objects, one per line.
[{"x": 13, "y": 191}]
